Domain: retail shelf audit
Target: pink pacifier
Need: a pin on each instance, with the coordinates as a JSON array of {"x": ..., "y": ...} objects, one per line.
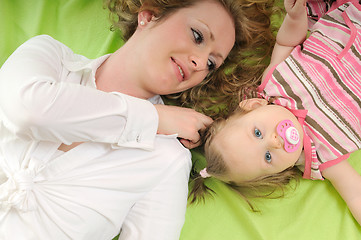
[{"x": 289, "y": 134}]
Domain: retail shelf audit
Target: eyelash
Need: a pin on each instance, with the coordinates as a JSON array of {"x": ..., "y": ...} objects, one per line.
[
  {"x": 198, "y": 39},
  {"x": 267, "y": 156},
  {"x": 198, "y": 36}
]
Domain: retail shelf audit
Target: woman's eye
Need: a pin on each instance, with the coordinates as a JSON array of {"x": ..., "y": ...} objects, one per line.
[
  {"x": 257, "y": 133},
  {"x": 268, "y": 157},
  {"x": 198, "y": 36},
  {"x": 211, "y": 65}
]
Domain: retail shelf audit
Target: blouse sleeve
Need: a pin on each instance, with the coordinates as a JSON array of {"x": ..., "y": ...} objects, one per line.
[{"x": 36, "y": 103}]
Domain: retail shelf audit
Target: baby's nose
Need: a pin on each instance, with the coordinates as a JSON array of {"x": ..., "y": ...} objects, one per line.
[{"x": 276, "y": 141}]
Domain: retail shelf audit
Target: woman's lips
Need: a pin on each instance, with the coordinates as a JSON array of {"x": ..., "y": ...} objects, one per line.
[{"x": 180, "y": 73}]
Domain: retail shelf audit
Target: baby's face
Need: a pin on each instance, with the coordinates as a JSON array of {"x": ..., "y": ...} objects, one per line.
[{"x": 252, "y": 147}]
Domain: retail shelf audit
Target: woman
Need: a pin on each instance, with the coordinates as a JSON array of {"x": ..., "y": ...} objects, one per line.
[{"x": 80, "y": 158}]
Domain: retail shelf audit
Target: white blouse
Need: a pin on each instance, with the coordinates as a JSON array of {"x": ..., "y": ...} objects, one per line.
[{"x": 124, "y": 178}]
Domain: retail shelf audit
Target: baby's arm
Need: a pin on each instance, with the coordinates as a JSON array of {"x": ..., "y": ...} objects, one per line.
[
  {"x": 292, "y": 32},
  {"x": 347, "y": 182}
]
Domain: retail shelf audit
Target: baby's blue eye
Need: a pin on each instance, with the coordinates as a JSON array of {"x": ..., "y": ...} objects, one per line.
[
  {"x": 257, "y": 133},
  {"x": 268, "y": 157}
]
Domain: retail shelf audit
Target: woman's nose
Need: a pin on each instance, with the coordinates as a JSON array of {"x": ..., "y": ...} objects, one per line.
[{"x": 198, "y": 63}]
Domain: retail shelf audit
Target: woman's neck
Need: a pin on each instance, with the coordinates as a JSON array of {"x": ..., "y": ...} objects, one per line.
[{"x": 116, "y": 74}]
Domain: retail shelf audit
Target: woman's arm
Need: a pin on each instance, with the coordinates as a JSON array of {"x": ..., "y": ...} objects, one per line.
[
  {"x": 38, "y": 102},
  {"x": 347, "y": 182}
]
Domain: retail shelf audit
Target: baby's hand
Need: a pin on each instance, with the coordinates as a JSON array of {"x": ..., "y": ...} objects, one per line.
[
  {"x": 185, "y": 122},
  {"x": 295, "y": 8}
]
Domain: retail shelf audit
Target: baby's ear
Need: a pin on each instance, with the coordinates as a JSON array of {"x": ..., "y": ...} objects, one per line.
[{"x": 252, "y": 103}]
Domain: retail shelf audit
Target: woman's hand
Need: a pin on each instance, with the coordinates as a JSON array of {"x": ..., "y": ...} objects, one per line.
[{"x": 185, "y": 122}]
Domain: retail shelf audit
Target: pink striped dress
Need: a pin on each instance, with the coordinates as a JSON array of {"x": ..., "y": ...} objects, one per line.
[
  {"x": 316, "y": 9},
  {"x": 320, "y": 82}
]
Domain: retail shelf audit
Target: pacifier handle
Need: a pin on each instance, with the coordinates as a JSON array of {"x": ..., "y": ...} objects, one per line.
[{"x": 289, "y": 134}]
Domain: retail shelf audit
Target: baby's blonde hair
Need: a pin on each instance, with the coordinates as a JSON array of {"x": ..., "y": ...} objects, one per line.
[
  {"x": 265, "y": 186},
  {"x": 243, "y": 66}
]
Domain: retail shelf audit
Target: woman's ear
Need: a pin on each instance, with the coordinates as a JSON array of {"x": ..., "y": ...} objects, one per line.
[
  {"x": 252, "y": 103},
  {"x": 144, "y": 17}
]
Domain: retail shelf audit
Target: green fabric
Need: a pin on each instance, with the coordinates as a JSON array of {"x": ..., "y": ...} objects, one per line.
[
  {"x": 313, "y": 211},
  {"x": 82, "y": 25}
]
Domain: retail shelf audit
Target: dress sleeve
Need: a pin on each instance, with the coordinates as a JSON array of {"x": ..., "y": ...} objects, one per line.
[
  {"x": 160, "y": 214},
  {"x": 37, "y": 103},
  {"x": 316, "y": 9}
]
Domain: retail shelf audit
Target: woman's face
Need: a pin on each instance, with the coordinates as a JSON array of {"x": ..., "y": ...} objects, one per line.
[{"x": 178, "y": 52}]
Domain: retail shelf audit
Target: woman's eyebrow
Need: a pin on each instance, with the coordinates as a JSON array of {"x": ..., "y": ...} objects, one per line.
[{"x": 219, "y": 56}]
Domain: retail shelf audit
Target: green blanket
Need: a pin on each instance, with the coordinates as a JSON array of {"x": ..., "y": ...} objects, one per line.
[{"x": 313, "y": 211}]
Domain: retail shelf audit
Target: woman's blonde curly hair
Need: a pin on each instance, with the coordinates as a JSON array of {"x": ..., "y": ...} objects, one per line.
[{"x": 219, "y": 91}]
